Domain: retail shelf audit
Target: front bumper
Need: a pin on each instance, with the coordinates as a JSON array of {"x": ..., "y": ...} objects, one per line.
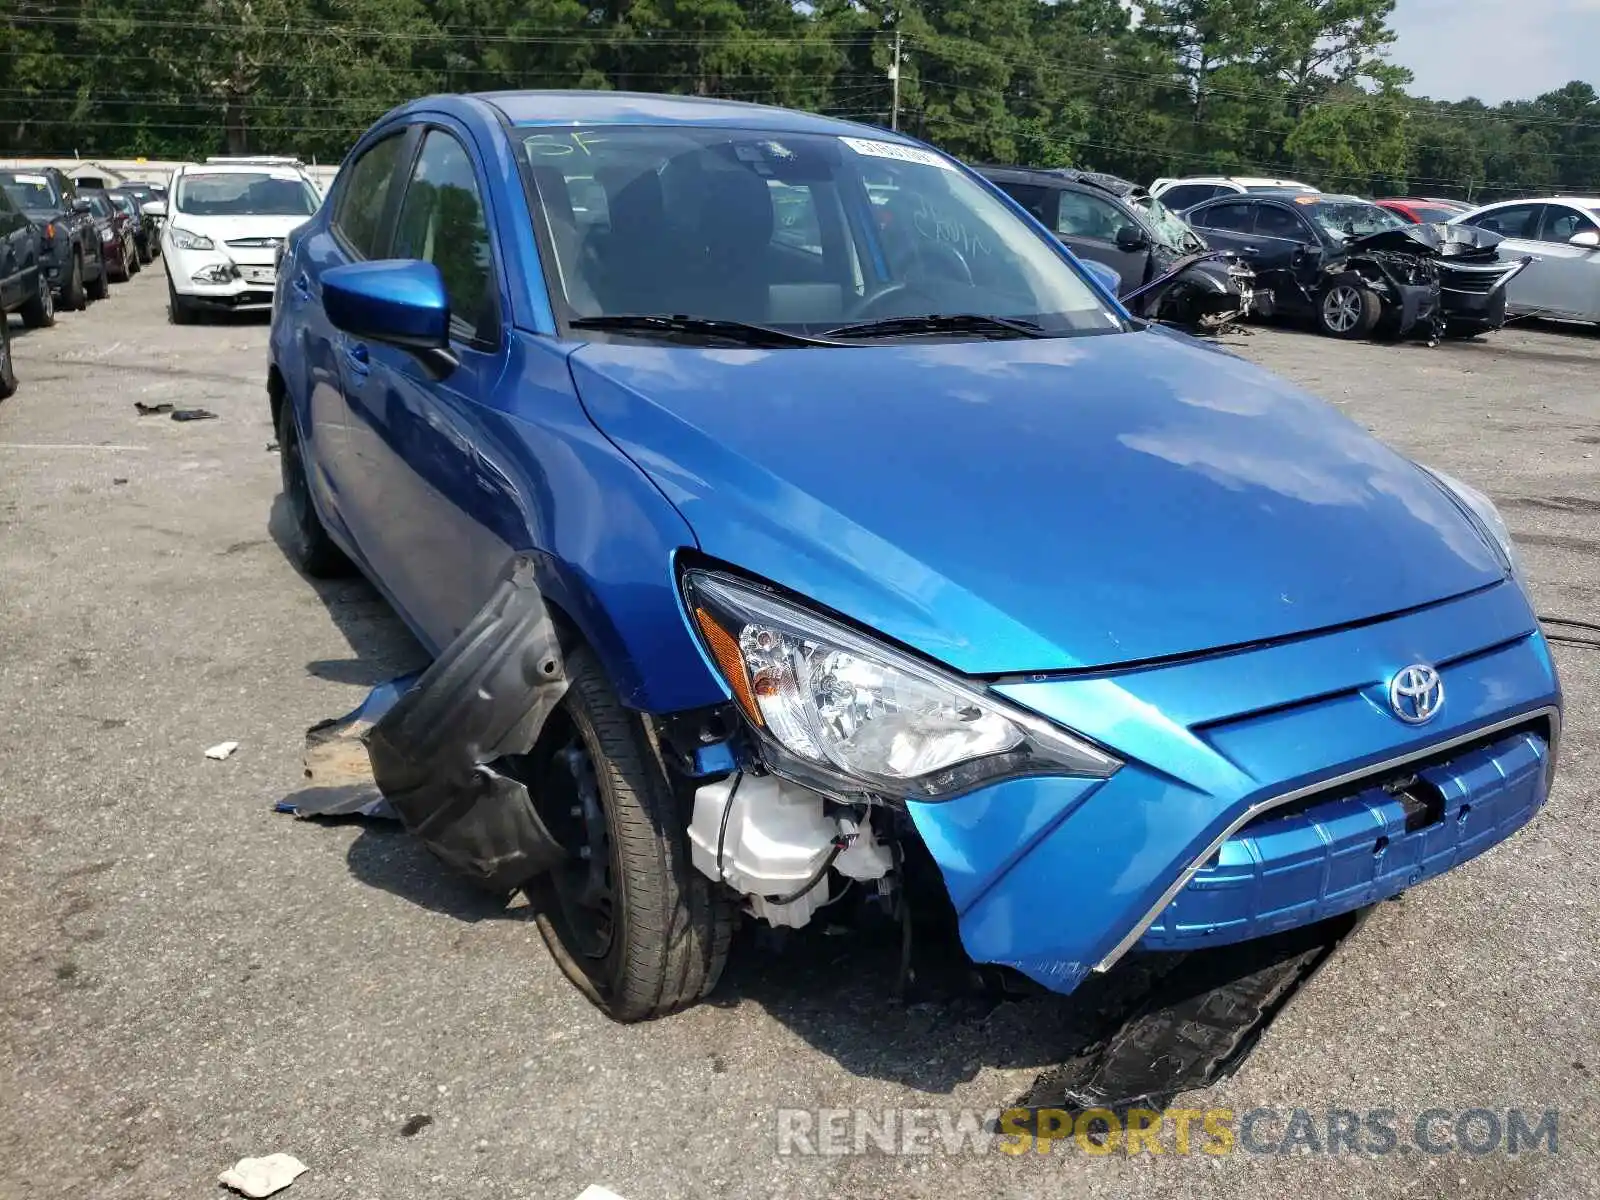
[
  {"x": 1252, "y": 796},
  {"x": 217, "y": 279}
]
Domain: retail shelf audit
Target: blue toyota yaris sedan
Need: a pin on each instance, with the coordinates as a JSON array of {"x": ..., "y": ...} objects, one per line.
[{"x": 782, "y": 504}]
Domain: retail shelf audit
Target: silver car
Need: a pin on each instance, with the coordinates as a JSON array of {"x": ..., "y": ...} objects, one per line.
[{"x": 1563, "y": 235}]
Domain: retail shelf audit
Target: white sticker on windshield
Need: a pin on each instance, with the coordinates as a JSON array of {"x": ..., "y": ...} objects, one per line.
[
  {"x": 38, "y": 179},
  {"x": 899, "y": 153}
]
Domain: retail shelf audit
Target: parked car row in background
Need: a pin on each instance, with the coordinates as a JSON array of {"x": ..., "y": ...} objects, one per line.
[
  {"x": 1358, "y": 266},
  {"x": 62, "y": 245}
]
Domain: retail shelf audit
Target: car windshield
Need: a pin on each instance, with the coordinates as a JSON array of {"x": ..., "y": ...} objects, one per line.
[
  {"x": 125, "y": 204},
  {"x": 244, "y": 194},
  {"x": 100, "y": 206},
  {"x": 1354, "y": 218},
  {"x": 29, "y": 191},
  {"x": 800, "y": 232},
  {"x": 1174, "y": 233}
]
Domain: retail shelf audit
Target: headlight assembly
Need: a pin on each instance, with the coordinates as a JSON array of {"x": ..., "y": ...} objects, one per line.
[
  {"x": 847, "y": 714},
  {"x": 1486, "y": 516},
  {"x": 184, "y": 240}
]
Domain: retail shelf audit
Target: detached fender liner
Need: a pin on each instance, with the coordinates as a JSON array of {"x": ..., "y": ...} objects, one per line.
[{"x": 487, "y": 695}]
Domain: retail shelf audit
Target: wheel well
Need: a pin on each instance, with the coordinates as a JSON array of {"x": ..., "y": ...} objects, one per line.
[{"x": 277, "y": 392}]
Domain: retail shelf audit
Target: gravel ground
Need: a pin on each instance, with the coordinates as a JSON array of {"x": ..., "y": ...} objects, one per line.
[{"x": 187, "y": 978}]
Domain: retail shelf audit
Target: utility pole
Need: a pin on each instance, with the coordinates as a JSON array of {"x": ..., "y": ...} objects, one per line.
[{"x": 894, "y": 83}]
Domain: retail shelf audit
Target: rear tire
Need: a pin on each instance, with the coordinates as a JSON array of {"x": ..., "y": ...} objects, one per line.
[
  {"x": 8, "y": 369},
  {"x": 1348, "y": 308},
  {"x": 307, "y": 541},
  {"x": 40, "y": 312},
  {"x": 662, "y": 937}
]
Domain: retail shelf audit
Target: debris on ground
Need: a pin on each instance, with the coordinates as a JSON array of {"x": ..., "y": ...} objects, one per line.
[
  {"x": 1196, "y": 1025},
  {"x": 272, "y": 447},
  {"x": 338, "y": 771},
  {"x": 415, "y": 1124},
  {"x": 258, "y": 1177},
  {"x": 222, "y": 750},
  {"x": 192, "y": 414},
  {"x": 151, "y": 410},
  {"x": 595, "y": 1192},
  {"x": 118, "y": 481}
]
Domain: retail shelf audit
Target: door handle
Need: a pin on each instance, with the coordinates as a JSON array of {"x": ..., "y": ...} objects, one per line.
[
  {"x": 357, "y": 357},
  {"x": 1251, "y": 250}
]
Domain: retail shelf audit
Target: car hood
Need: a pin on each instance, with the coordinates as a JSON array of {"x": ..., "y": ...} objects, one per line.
[
  {"x": 1034, "y": 505},
  {"x": 1446, "y": 241}
]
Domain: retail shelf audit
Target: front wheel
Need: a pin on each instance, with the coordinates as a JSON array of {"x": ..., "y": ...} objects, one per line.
[
  {"x": 179, "y": 310},
  {"x": 101, "y": 287},
  {"x": 73, "y": 294},
  {"x": 627, "y": 917},
  {"x": 1348, "y": 308}
]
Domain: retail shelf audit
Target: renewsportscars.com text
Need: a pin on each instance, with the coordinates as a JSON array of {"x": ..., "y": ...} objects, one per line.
[{"x": 1178, "y": 1131}]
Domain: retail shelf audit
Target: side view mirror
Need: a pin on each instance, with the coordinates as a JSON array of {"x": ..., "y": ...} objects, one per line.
[
  {"x": 80, "y": 205},
  {"x": 1585, "y": 237},
  {"x": 154, "y": 208},
  {"x": 398, "y": 301},
  {"x": 1107, "y": 277},
  {"x": 1131, "y": 238}
]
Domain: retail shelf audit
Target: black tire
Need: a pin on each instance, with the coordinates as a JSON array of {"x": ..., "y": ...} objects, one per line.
[
  {"x": 179, "y": 310},
  {"x": 8, "y": 368},
  {"x": 306, "y": 541},
  {"x": 131, "y": 261},
  {"x": 73, "y": 294},
  {"x": 668, "y": 928},
  {"x": 144, "y": 252},
  {"x": 1348, "y": 308},
  {"x": 101, "y": 287},
  {"x": 40, "y": 312}
]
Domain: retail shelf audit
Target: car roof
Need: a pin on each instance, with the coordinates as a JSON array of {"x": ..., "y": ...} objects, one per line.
[
  {"x": 1241, "y": 180},
  {"x": 1582, "y": 201},
  {"x": 647, "y": 108},
  {"x": 1099, "y": 181}
]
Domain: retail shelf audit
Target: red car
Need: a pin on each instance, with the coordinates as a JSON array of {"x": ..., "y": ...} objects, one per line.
[{"x": 1424, "y": 211}]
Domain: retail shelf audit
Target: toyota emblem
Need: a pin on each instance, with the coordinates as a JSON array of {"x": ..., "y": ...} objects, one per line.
[{"x": 1416, "y": 694}]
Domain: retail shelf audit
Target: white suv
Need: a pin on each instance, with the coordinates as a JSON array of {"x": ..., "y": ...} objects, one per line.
[
  {"x": 225, "y": 220},
  {"x": 1179, "y": 194}
]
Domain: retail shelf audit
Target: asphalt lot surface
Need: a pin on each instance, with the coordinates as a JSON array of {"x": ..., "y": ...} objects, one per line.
[{"x": 187, "y": 978}]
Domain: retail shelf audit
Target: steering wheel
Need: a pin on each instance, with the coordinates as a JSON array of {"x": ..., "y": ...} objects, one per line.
[
  {"x": 874, "y": 303},
  {"x": 962, "y": 272}
]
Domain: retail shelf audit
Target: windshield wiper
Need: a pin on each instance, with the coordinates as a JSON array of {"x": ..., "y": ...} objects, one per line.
[
  {"x": 975, "y": 323},
  {"x": 733, "y": 331}
]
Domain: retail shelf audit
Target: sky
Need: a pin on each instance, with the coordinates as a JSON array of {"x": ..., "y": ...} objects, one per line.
[{"x": 1494, "y": 49}]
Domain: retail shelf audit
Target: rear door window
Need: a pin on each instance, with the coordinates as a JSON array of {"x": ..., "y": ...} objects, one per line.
[
  {"x": 1515, "y": 221},
  {"x": 1235, "y": 217},
  {"x": 1272, "y": 221},
  {"x": 363, "y": 196},
  {"x": 1034, "y": 198},
  {"x": 1185, "y": 195}
]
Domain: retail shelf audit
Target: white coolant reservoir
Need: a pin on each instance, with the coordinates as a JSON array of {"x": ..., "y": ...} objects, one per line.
[{"x": 774, "y": 837}]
